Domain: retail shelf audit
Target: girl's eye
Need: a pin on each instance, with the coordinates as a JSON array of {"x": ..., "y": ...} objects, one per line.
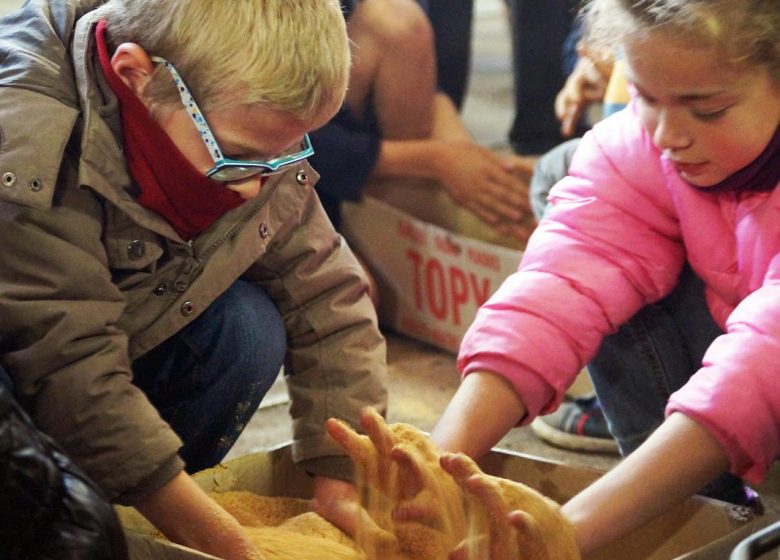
[
  {"x": 649, "y": 101},
  {"x": 710, "y": 115}
]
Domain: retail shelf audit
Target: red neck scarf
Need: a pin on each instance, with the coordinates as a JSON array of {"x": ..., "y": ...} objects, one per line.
[{"x": 170, "y": 186}]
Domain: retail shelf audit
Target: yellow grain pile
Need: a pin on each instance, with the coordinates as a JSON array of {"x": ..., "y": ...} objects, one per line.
[
  {"x": 455, "y": 503},
  {"x": 253, "y": 510},
  {"x": 422, "y": 505},
  {"x": 285, "y": 529},
  {"x": 278, "y": 543}
]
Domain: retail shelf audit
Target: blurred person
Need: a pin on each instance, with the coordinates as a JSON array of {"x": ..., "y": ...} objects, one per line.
[
  {"x": 396, "y": 123},
  {"x": 542, "y": 35},
  {"x": 50, "y": 508}
]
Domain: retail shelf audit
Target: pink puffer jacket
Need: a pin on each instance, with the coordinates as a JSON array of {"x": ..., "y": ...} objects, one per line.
[{"x": 622, "y": 226}]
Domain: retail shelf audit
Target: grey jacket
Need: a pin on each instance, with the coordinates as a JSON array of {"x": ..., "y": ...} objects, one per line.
[{"x": 90, "y": 280}]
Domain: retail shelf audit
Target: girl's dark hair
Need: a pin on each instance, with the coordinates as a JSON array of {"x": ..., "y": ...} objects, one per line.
[{"x": 747, "y": 31}]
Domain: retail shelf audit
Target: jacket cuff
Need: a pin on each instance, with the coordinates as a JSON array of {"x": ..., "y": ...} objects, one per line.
[
  {"x": 166, "y": 472},
  {"x": 537, "y": 395}
]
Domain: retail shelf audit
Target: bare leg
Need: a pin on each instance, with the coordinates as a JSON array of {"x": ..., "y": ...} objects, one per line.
[
  {"x": 394, "y": 67},
  {"x": 447, "y": 124}
]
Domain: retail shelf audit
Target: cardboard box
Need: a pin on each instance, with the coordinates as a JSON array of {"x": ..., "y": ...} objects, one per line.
[
  {"x": 699, "y": 529},
  {"x": 433, "y": 261}
]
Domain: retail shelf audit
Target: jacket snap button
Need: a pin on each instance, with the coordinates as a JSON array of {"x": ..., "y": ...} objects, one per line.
[
  {"x": 181, "y": 285},
  {"x": 9, "y": 179},
  {"x": 302, "y": 177},
  {"x": 263, "y": 230},
  {"x": 187, "y": 308},
  {"x": 136, "y": 249},
  {"x": 161, "y": 289},
  {"x": 35, "y": 184}
]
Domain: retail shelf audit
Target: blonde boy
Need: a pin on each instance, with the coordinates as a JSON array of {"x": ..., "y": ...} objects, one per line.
[{"x": 164, "y": 251}]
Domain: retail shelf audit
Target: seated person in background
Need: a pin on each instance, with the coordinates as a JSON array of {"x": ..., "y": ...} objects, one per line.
[
  {"x": 163, "y": 249},
  {"x": 395, "y": 123},
  {"x": 587, "y": 84}
]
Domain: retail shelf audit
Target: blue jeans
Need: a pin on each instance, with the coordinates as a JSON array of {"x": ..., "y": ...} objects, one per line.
[
  {"x": 208, "y": 379},
  {"x": 655, "y": 353}
]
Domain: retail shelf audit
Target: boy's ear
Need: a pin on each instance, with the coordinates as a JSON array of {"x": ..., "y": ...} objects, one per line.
[{"x": 133, "y": 66}]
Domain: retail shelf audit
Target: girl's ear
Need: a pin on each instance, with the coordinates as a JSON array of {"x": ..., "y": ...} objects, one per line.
[{"x": 133, "y": 66}]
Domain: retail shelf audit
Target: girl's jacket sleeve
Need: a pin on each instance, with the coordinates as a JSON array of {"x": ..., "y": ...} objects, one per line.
[
  {"x": 609, "y": 245},
  {"x": 621, "y": 226},
  {"x": 735, "y": 394}
]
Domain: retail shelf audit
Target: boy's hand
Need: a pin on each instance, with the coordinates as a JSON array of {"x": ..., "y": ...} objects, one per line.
[
  {"x": 186, "y": 515},
  {"x": 371, "y": 468},
  {"x": 337, "y": 501},
  {"x": 369, "y": 453}
]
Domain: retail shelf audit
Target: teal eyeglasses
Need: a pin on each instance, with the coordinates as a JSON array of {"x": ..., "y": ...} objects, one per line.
[{"x": 227, "y": 169}]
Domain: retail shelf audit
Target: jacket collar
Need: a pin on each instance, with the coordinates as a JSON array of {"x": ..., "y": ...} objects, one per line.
[{"x": 102, "y": 163}]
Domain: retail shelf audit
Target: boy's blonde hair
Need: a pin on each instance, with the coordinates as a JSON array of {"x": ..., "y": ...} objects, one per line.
[
  {"x": 288, "y": 55},
  {"x": 747, "y": 31}
]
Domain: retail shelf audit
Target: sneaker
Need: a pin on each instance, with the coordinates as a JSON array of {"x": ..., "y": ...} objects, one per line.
[
  {"x": 728, "y": 488},
  {"x": 754, "y": 501},
  {"x": 579, "y": 425}
]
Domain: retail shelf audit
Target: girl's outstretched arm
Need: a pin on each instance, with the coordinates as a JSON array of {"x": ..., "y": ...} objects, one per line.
[
  {"x": 675, "y": 462},
  {"x": 484, "y": 408}
]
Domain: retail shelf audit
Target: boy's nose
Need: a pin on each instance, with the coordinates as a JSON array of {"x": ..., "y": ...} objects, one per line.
[{"x": 247, "y": 188}]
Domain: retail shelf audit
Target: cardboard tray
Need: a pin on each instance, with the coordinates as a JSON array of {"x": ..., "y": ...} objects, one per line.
[{"x": 699, "y": 529}]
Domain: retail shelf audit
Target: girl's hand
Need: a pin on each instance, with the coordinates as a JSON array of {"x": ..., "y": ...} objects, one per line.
[
  {"x": 509, "y": 520},
  {"x": 398, "y": 466},
  {"x": 409, "y": 483}
]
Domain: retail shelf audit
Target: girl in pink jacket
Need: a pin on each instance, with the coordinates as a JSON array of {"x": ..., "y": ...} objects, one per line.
[{"x": 658, "y": 265}]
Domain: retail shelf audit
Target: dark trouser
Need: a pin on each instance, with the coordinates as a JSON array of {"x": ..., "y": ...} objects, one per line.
[
  {"x": 209, "y": 378},
  {"x": 451, "y": 21},
  {"x": 539, "y": 31},
  {"x": 655, "y": 353}
]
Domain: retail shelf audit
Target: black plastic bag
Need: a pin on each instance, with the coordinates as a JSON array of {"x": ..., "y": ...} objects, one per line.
[{"x": 49, "y": 509}]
